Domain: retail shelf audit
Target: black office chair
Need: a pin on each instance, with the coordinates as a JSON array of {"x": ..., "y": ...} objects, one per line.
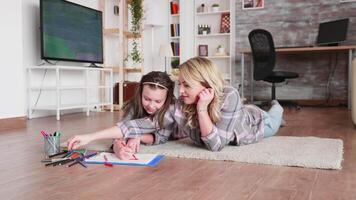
[{"x": 264, "y": 60}]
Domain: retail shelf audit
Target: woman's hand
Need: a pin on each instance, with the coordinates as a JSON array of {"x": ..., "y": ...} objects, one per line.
[
  {"x": 77, "y": 141},
  {"x": 205, "y": 97},
  {"x": 121, "y": 150}
]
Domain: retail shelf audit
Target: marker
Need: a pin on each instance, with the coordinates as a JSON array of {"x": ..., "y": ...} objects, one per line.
[
  {"x": 58, "y": 154},
  {"x": 106, "y": 162},
  {"x": 134, "y": 157}
]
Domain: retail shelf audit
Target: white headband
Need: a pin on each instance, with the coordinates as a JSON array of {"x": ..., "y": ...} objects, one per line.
[{"x": 156, "y": 84}]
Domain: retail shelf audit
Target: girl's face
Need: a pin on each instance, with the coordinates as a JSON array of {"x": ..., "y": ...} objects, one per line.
[
  {"x": 189, "y": 94},
  {"x": 153, "y": 99}
]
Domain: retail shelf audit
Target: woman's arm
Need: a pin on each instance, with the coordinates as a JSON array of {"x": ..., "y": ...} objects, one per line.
[
  {"x": 222, "y": 132},
  {"x": 205, "y": 123}
]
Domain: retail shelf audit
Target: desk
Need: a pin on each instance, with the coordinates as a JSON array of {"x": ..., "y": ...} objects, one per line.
[{"x": 349, "y": 48}]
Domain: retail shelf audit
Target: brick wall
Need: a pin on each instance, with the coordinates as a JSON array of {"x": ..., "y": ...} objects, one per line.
[{"x": 295, "y": 22}]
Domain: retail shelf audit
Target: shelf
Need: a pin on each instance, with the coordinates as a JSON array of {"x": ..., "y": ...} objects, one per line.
[
  {"x": 62, "y": 107},
  {"x": 115, "y": 69},
  {"x": 214, "y": 35},
  {"x": 108, "y": 31},
  {"x": 174, "y": 15},
  {"x": 74, "y": 87},
  {"x": 113, "y": 31},
  {"x": 133, "y": 70},
  {"x": 212, "y": 20},
  {"x": 85, "y": 86},
  {"x": 130, "y": 34},
  {"x": 218, "y": 57},
  {"x": 69, "y": 106},
  {"x": 175, "y": 56},
  {"x": 175, "y": 37},
  {"x": 212, "y": 13}
]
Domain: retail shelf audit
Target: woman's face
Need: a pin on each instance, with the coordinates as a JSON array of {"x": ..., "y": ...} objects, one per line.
[
  {"x": 189, "y": 94},
  {"x": 153, "y": 99}
]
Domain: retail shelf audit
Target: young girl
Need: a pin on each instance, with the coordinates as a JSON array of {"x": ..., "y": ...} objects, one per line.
[
  {"x": 212, "y": 113},
  {"x": 152, "y": 99}
]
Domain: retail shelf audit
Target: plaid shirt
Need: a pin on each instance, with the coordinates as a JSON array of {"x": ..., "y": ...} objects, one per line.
[{"x": 239, "y": 124}]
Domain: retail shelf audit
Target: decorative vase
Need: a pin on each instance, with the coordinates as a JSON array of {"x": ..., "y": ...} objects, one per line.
[
  {"x": 215, "y": 9},
  {"x": 221, "y": 50}
]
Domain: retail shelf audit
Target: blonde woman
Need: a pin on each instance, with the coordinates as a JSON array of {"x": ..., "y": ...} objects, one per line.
[{"x": 211, "y": 113}]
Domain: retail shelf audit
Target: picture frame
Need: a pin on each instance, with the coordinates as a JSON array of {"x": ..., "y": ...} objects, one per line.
[
  {"x": 253, "y": 4},
  {"x": 203, "y": 50}
]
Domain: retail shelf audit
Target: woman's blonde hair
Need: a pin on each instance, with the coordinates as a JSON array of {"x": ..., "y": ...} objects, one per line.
[{"x": 205, "y": 72}]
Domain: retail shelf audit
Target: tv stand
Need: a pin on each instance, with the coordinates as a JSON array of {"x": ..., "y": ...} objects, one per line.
[
  {"x": 87, "y": 86},
  {"x": 94, "y": 65}
]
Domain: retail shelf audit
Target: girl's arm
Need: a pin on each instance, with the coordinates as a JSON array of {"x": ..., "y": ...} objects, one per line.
[
  {"x": 79, "y": 140},
  {"x": 147, "y": 139},
  {"x": 138, "y": 127}
]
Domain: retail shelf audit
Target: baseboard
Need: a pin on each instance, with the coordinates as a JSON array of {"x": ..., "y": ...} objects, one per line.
[
  {"x": 335, "y": 102},
  {"x": 316, "y": 102},
  {"x": 12, "y": 123}
]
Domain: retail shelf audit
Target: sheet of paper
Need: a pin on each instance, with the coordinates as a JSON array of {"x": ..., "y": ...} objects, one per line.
[{"x": 142, "y": 159}]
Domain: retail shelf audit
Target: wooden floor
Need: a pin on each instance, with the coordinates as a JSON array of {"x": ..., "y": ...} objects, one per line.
[{"x": 23, "y": 176}]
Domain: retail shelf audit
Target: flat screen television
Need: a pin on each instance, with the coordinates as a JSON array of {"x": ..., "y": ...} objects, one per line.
[
  {"x": 332, "y": 32},
  {"x": 70, "y": 32}
]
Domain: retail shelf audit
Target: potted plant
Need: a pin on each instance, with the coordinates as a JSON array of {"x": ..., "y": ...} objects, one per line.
[
  {"x": 220, "y": 49},
  {"x": 175, "y": 63},
  {"x": 215, "y": 7},
  {"x": 136, "y": 21}
]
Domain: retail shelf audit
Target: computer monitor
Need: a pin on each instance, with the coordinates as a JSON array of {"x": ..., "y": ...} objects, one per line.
[{"x": 332, "y": 32}]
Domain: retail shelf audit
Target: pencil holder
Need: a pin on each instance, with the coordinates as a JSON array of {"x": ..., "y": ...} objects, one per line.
[{"x": 52, "y": 145}]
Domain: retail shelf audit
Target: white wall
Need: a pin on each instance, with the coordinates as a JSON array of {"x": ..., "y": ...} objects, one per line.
[{"x": 12, "y": 84}]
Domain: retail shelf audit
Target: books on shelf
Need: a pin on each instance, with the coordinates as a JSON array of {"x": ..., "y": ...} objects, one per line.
[
  {"x": 175, "y": 48},
  {"x": 175, "y": 30}
]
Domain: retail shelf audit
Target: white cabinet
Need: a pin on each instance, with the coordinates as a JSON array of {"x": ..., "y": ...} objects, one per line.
[
  {"x": 214, "y": 27},
  {"x": 86, "y": 86}
]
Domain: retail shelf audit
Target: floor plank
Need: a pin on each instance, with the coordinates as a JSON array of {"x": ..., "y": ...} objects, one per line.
[{"x": 25, "y": 177}]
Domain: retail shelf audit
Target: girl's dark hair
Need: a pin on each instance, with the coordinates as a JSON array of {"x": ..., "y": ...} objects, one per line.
[{"x": 154, "y": 79}]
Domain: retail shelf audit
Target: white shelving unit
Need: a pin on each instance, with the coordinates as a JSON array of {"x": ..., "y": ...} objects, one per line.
[
  {"x": 215, "y": 38},
  {"x": 174, "y": 37},
  {"x": 58, "y": 88}
]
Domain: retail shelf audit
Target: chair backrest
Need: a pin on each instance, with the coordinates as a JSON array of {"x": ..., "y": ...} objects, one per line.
[{"x": 263, "y": 53}]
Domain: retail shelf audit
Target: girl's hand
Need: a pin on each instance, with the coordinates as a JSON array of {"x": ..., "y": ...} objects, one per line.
[
  {"x": 121, "y": 150},
  {"x": 78, "y": 141},
  {"x": 134, "y": 144},
  {"x": 205, "y": 97}
]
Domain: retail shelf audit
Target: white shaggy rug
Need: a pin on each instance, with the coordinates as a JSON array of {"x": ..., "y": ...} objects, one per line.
[{"x": 309, "y": 152}]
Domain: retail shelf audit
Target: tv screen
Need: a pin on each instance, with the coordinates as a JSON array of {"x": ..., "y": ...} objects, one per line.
[
  {"x": 70, "y": 32},
  {"x": 332, "y": 32}
]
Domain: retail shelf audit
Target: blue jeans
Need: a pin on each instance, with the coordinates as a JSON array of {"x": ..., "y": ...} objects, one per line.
[{"x": 272, "y": 119}]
